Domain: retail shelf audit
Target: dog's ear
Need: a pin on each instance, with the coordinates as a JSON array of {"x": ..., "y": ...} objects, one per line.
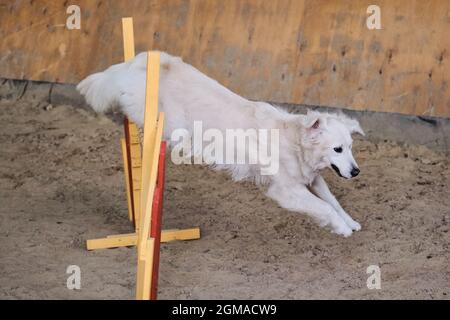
[
  {"x": 351, "y": 124},
  {"x": 313, "y": 124},
  {"x": 312, "y": 120}
]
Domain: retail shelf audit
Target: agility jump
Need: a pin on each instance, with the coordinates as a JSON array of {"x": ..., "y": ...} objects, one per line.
[{"x": 144, "y": 169}]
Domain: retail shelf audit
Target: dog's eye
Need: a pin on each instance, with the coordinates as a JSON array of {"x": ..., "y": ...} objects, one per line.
[{"x": 338, "y": 149}]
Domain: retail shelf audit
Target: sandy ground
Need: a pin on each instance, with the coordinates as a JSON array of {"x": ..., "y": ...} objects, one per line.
[{"x": 61, "y": 182}]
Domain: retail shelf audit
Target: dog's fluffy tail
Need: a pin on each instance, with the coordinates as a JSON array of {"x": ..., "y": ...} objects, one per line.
[
  {"x": 121, "y": 85},
  {"x": 100, "y": 91}
]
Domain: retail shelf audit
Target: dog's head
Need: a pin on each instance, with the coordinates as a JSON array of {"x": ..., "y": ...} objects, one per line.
[{"x": 328, "y": 137}]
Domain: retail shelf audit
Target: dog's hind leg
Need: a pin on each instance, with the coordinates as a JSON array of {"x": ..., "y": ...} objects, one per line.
[
  {"x": 300, "y": 199},
  {"x": 320, "y": 188}
]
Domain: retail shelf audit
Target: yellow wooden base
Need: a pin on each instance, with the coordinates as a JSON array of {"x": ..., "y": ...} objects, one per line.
[{"x": 130, "y": 239}]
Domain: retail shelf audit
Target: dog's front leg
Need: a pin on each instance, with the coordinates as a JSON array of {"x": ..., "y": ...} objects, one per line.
[
  {"x": 320, "y": 188},
  {"x": 298, "y": 198}
]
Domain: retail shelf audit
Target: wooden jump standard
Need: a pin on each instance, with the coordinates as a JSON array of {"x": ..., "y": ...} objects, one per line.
[{"x": 144, "y": 178}]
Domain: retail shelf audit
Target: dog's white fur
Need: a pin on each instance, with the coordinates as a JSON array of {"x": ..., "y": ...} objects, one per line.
[{"x": 186, "y": 95}]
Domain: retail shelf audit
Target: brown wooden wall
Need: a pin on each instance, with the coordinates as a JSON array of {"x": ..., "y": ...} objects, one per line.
[{"x": 296, "y": 51}]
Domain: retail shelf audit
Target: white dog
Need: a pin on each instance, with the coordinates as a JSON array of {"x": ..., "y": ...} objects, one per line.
[{"x": 307, "y": 143}]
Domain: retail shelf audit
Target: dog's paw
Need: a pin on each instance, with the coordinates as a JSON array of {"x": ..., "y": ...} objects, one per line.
[
  {"x": 343, "y": 230},
  {"x": 355, "y": 226}
]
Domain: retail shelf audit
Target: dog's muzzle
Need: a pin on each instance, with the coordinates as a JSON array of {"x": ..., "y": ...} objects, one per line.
[{"x": 337, "y": 170}]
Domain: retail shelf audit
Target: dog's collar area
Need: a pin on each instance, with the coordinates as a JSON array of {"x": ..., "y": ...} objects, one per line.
[{"x": 337, "y": 170}]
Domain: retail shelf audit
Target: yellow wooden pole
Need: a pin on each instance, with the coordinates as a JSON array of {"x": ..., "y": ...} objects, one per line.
[
  {"x": 133, "y": 132},
  {"x": 144, "y": 271},
  {"x": 147, "y": 210},
  {"x": 136, "y": 170},
  {"x": 151, "y": 110},
  {"x": 150, "y": 157},
  {"x": 127, "y": 178},
  {"x": 128, "y": 38}
]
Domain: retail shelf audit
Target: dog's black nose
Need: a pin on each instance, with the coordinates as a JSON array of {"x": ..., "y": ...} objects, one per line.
[{"x": 354, "y": 172}]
